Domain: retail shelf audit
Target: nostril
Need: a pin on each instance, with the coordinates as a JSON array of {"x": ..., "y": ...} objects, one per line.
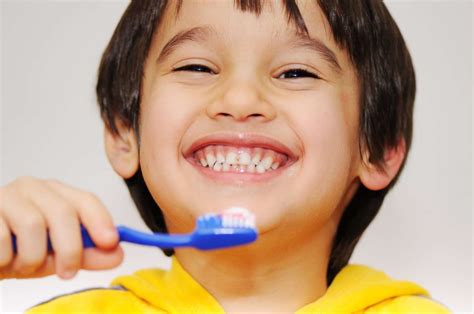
[
  {"x": 240, "y": 116},
  {"x": 244, "y": 117}
]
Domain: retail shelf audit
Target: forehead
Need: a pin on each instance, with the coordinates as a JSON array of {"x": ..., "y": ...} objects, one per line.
[
  {"x": 290, "y": 22},
  {"x": 256, "y": 7},
  {"x": 292, "y": 15}
]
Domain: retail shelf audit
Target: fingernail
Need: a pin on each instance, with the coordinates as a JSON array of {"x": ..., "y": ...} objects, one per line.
[
  {"x": 68, "y": 274},
  {"x": 110, "y": 233}
]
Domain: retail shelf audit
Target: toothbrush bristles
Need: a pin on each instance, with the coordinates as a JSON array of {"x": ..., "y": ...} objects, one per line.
[
  {"x": 237, "y": 217},
  {"x": 234, "y": 217}
]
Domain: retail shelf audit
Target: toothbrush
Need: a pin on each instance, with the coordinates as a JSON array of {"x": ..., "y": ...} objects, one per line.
[{"x": 235, "y": 226}]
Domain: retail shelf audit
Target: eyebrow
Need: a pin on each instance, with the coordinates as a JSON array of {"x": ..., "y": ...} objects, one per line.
[
  {"x": 315, "y": 45},
  {"x": 204, "y": 32},
  {"x": 195, "y": 34}
]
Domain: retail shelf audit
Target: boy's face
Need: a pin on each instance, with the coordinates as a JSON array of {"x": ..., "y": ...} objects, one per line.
[{"x": 246, "y": 92}]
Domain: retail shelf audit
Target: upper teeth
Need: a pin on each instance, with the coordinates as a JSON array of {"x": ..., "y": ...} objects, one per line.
[
  {"x": 267, "y": 162},
  {"x": 231, "y": 158},
  {"x": 239, "y": 160},
  {"x": 244, "y": 158},
  {"x": 211, "y": 160}
]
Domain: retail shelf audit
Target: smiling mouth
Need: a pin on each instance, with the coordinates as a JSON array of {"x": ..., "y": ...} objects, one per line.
[
  {"x": 237, "y": 158},
  {"x": 256, "y": 160}
]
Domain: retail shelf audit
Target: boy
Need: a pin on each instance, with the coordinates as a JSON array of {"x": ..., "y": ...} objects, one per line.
[{"x": 327, "y": 86}]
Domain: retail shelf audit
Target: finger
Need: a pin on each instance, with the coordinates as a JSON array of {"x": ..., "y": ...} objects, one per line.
[
  {"x": 6, "y": 252},
  {"x": 64, "y": 230},
  {"x": 93, "y": 215},
  {"x": 93, "y": 259},
  {"x": 96, "y": 259},
  {"x": 29, "y": 227},
  {"x": 46, "y": 269}
]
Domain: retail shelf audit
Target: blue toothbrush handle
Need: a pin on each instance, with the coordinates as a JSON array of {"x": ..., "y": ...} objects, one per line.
[
  {"x": 86, "y": 241},
  {"x": 160, "y": 240},
  {"x": 129, "y": 235}
]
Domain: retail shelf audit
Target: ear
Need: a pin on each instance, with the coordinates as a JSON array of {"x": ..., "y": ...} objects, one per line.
[
  {"x": 122, "y": 150},
  {"x": 376, "y": 178}
]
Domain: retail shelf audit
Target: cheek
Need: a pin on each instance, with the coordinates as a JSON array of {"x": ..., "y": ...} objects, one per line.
[
  {"x": 159, "y": 131},
  {"x": 329, "y": 133},
  {"x": 163, "y": 121},
  {"x": 328, "y": 138},
  {"x": 167, "y": 111},
  {"x": 328, "y": 127},
  {"x": 165, "y": 116}
]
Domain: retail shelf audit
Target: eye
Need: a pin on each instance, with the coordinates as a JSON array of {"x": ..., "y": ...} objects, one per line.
[
  {"x": 298, "y": 73},
  {"x": 194, "y": 68},
  {"x": 292, "y": 74}
]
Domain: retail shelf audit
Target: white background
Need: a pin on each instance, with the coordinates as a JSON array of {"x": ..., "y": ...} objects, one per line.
[{"x": 50, "y": 127}]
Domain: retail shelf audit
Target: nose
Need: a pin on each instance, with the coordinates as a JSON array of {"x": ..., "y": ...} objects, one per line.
[{"x": 241, "y": 100}]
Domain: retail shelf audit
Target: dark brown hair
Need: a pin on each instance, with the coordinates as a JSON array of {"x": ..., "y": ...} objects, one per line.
[{"x": 364, "y": 29}]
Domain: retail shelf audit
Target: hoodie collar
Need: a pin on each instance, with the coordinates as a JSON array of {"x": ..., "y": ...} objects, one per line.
[
  {"x": 356, "y": 287},
  {"x": 173, "y": 291}
]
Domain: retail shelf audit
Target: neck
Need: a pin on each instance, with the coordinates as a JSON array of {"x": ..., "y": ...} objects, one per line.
[{"x": 278, "y": 273}]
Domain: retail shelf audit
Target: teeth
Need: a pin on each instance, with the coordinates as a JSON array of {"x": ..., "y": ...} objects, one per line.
[
  {"x": 220, "y": 158},
  {"x": 211, "y": 160},
  {"x": 260, "y": 168},
  {"x": 256, "y": 159},
  {"x": 225, "y": 167},
  {"x": 237, "y": 161},
  {"x": 244, "y": 158},
  {"x": 231, "y": 158},
  {"x": 217, "y": 167},
  {"x": 267, "y": 162},
  {"x": 251, "y": 168},
  {"x": 203, "y": 162}
]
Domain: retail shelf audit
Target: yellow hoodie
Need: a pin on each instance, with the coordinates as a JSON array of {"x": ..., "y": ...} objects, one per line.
[{"x": 356, "y": 289}]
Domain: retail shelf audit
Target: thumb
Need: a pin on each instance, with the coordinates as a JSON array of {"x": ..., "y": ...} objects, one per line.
[{"x": 97, "y": 259}]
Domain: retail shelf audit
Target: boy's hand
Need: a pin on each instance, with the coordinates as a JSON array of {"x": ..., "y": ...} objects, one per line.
[{"x": 29, "y": 207}]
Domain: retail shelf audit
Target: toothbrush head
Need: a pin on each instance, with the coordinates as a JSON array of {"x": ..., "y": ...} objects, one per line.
[{"x": 234, "y": 226}]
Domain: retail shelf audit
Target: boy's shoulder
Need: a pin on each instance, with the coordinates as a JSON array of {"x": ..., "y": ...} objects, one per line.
[
  {"x": 145, "y": 291},
  {"x": 408, "y": 304},
  {"x": 114, "y": 299},
  {"x": 363, "y": 289},
  {"x": 389, "y": 295}
]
